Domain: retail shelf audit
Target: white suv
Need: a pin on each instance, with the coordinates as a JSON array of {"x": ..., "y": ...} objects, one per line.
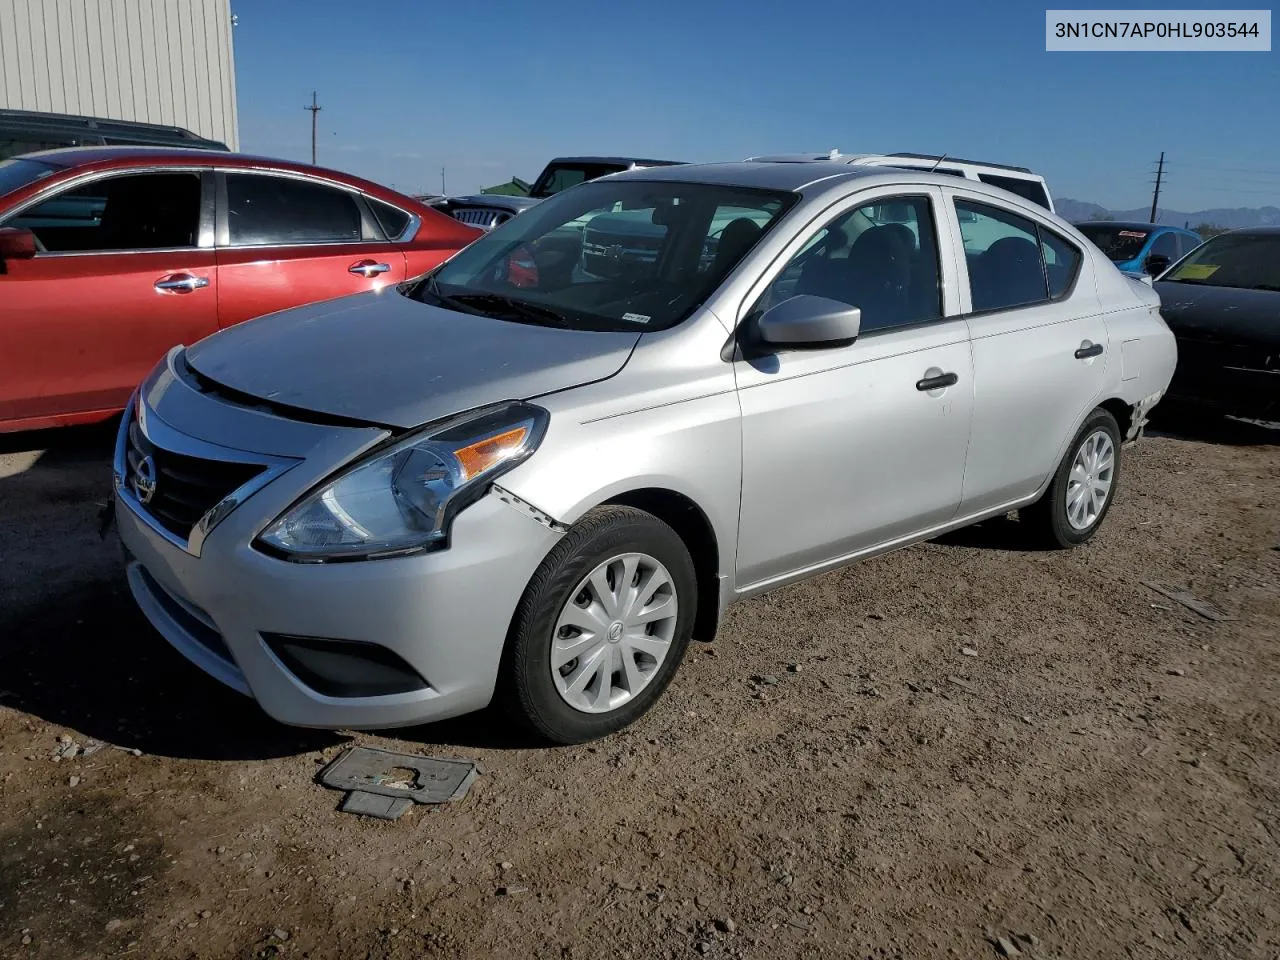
[{"x": 1018, "y": 180}]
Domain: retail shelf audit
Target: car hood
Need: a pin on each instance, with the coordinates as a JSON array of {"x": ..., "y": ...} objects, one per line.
[
  {"x": 1220, "y": 313},
  {"x": 383, "y": 358}
]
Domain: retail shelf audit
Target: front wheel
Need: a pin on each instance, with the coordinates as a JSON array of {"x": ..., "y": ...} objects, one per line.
[
  {"x": 601, "y": 628},
  {"x": 1071, "y": 510}
]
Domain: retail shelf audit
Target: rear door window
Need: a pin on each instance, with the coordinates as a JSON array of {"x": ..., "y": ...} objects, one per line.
[
  {"x": 1013, "y": 261},
  {"x": 266, "y": 209}
]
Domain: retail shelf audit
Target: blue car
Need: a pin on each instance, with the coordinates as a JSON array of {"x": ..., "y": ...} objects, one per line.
[{"x": 1140, "y": 248}]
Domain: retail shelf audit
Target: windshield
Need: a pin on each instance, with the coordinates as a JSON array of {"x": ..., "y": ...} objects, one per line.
[
  {"x": 562, "y": 176},
  {"x": 1118, "y": 243},
  {"x": 1250, "y": 262},
  {"x": 18, "y": 172},
  {"x": 608, "y": 255}
]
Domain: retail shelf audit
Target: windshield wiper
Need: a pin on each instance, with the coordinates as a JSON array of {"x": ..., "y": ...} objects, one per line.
[{"x": 520, "y": 308}]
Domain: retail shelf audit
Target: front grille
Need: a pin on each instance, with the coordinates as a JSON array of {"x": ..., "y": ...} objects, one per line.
[
  {"x": 486, "y": 218},
  {"x": 185, "y": 487}
]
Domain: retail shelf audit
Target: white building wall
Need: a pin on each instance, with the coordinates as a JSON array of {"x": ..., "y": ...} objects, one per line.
[{"x": 159, "y": 61}]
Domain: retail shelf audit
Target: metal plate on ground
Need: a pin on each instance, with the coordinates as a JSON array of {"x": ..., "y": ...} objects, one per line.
[
  {"x": 399, "y": 775},
  {"x": 372, "y": 805}
]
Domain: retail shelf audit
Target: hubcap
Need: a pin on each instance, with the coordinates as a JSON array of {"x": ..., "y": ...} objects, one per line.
[
  {"x": 614, "y": 633},
  {"x": 1089, "y": 484}
]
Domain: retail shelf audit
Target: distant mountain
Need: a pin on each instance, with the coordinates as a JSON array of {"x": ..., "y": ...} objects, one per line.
[{"x": 1230, "y": 218}]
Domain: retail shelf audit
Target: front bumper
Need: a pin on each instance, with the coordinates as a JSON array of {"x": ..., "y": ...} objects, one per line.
[{"x": 445, "y": 614}]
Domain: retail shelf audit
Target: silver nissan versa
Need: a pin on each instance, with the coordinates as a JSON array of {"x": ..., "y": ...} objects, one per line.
[{"x": 535, "y": 473}]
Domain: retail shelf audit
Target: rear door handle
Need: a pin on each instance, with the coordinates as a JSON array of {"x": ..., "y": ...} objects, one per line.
[
  {"x": 368, "y": 268},
  {"x": 181, "y": 283},
  {"x": 937, "y": 382},
  {"x": 1088, "y": 350}
]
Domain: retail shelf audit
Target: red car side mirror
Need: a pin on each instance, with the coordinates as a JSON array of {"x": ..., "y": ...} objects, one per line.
[{"x": 17, "y": 243}]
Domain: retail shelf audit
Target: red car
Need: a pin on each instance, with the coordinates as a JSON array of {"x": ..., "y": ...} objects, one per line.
[{"x": 109, "y": 256}]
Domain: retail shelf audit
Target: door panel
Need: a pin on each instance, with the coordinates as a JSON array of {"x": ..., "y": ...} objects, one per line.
[
  {"x": 79, "y": 332},
  {"x": 1030, "y": 388},
  {"x": 841, "y": 452},
  {"x": 254, "y": 281},
  {"x": 83, "y": 322},
  {"x": 1030, "y": 393},
  {"x": 284, "y": 241}
]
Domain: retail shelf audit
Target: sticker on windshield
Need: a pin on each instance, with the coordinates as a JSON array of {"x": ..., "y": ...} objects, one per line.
[
  {"x": 637, "y": 317},
  {"x": 1196, "y": 271},
  {"x": 1132, "y": 233}
]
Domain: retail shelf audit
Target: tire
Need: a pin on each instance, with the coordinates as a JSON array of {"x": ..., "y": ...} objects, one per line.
[
  {"x": 1054, "y": 522},
  {"x": 545, "y": 699}
]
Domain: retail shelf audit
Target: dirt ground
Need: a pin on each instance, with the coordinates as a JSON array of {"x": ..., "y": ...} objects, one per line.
[{"x": 834, "y": 777}]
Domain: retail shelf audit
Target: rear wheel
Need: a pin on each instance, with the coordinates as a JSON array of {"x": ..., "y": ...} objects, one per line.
[
  {"x": 602, "y": 626},
  {"x": 1083, "y": 487}
]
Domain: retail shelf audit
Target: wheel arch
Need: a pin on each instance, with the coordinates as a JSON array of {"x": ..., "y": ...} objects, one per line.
[{"x": 690, "y": 522}]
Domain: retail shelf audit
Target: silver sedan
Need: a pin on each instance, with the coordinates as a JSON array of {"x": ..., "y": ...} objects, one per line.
[{"x": 536, "y": 473}]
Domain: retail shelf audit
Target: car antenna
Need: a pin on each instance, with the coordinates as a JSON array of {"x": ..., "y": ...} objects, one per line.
[{"x": 935, "y": 166}]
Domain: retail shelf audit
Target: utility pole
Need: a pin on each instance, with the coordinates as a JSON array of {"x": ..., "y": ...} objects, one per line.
[
  {"x": 442, "y": 189},
  {"x": 314, "y": 108},
  {"x": 1155, "y": 198}
]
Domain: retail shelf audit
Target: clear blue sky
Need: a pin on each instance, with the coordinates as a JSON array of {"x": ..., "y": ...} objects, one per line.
[{"x": 493, "y": 90}]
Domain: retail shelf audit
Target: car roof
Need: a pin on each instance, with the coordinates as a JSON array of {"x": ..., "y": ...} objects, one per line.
[
  {"x": 1130, "y": 225},
  {"x": 37, "y": 120},
  {"x": 122, "y": 157},
  {"x": 83, "y": 156},
  {"x": 792, "y": 177},
  {"x": 625, "y": 161},
  {"x": 941, "y": 160},
  {"x": 1268, "y": 231}
]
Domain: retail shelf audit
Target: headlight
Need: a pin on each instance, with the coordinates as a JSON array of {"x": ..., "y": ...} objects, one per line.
[{"x": 403, "y": 499}]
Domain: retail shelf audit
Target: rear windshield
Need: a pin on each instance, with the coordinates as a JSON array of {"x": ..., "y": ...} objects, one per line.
[
  {"x": 1120, "y": 244},
  {"x": 17, "y": 172}
]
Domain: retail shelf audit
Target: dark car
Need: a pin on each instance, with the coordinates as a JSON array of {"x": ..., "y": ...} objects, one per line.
[
  {"x": 489, "y": 210},
  {"x": 27, "y": 131},
  {"x": 1222, "y": 302}
]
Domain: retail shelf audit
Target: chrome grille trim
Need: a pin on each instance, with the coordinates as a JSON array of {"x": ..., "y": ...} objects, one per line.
[{"x": 169, "y": 440}]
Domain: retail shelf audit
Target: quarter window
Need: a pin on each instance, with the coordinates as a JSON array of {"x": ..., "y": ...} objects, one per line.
[
  {"x": 283, "y": 210},
  {"x": 881, "y": 257},
  {"x": 1012, "y": 260},
  {"x": 1061, "y": 262},
  {"x": 144, "y": 211},
  {"x": 391, "y": 219}
]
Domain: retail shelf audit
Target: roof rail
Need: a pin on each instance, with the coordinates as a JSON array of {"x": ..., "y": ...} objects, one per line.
[{"x": 980, "y": 163}]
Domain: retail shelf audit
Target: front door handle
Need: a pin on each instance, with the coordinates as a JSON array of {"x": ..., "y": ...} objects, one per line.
[
  {"x": 1088, "y": 350},
  {"x": 937, "y": 382},
  {"x": 181, "y": 283},
  {"x": 368, "y": 268}
]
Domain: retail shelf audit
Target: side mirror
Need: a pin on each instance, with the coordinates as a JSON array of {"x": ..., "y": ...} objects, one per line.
[
  {"x": 17, "y": 243},
  {"x": 1155, "y": 264},
  {"x": 806, "y": 320}
]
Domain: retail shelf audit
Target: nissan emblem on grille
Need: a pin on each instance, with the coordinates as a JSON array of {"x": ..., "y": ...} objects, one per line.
[{"x": 144, "y": 480}]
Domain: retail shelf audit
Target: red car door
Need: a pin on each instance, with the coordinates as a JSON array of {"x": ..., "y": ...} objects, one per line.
[
  {"x": 123, "y": 271},
  {"x": 286, "y": 240}
]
